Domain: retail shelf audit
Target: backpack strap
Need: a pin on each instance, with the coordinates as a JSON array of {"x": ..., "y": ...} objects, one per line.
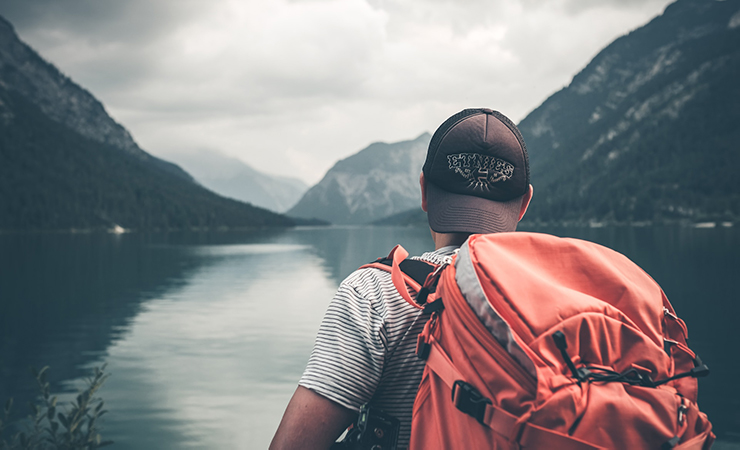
[
  {"x": 404, "y": 272},
  {"x": 467, "y": 399},
  {"x": 415, "y": 269}
]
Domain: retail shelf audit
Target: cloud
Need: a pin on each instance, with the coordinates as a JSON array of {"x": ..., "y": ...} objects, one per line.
[{"x": 294, "y": 85}]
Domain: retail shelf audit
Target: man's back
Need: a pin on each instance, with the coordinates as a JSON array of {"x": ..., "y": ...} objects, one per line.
[
  {"x": 475, "y": 180},
  {"x": 365, "y": 351}
]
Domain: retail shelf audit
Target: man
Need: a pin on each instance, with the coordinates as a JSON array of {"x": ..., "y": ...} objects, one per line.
[{"x": 475, "y": 180}]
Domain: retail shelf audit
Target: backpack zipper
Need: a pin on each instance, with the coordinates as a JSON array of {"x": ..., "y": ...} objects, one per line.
[{"x": 682, "y": 408}]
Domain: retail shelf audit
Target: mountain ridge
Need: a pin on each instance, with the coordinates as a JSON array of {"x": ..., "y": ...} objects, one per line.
[
  {"x": 623, "y": 141},
  {"x": 233, "y": 178},
  {"x": 66, "y": 165},
  {"x": 647, "y": 131},
  {"x": 78, "y": 109},
  {"x": 377, "y": 181}
]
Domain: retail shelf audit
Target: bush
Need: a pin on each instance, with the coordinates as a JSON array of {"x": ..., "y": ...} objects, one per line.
[{"x": 73, "y": 428}]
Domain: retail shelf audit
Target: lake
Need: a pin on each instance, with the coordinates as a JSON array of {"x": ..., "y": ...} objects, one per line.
[{"x": 206, "y": 334}]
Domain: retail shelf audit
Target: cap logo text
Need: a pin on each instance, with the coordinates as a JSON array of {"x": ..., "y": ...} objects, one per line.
[{"x": 481, "y": 171}]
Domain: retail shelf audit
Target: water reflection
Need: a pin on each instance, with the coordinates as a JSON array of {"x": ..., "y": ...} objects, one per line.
[
  {"x": 64, "y": 299},
  {"x": 221, "y": 352},
  {"x": 206, "y": 334},
  {"x": 343, "y": 249}
]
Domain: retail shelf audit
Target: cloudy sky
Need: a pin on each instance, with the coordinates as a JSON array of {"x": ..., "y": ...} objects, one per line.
[{"x": 291, "y": 86}]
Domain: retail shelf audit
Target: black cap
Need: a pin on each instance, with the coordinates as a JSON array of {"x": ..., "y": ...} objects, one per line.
[{"x": 476, "y": 172}]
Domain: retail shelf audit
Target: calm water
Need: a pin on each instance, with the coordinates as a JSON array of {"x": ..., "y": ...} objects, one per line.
[{"x": 206, "y": 335}]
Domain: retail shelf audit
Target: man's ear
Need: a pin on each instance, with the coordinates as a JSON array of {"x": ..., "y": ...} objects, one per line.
[
  {"x": 423, "y": 185},
  {"x": 526, "y": 198}
]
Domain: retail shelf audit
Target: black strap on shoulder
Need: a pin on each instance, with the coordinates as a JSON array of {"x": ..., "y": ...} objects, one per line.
[
  {"x": 437, "y": 305},
  {"x": 417, "y": 269}
]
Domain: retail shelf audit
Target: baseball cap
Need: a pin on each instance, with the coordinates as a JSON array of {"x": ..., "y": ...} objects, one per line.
[{"x": 476, "y": 172}]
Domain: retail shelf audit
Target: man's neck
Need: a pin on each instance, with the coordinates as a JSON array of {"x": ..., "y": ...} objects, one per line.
[{"x": 447, "y": 239}]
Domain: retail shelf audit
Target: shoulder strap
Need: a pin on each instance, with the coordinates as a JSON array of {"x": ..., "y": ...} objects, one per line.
[
  {"x": 416, "y": 269},
  {"x": 404, "y": 272}
]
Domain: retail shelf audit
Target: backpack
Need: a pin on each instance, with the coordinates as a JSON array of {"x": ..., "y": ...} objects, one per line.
[{"x": 539, "y": 342}]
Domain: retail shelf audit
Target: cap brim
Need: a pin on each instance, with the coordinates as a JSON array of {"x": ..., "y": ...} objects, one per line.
[{"x": 455, "y": 213}]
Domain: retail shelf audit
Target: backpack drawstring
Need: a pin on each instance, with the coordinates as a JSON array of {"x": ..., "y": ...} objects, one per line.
[{"x": 632, "y": 376}]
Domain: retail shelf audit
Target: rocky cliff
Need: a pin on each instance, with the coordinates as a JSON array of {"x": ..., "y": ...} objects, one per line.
[
  {"x": 647, "y": 131},
  {"x": 381, "y": 180}
]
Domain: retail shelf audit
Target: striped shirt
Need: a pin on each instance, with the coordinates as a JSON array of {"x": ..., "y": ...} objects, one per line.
[{"x": 365, "y": 350}]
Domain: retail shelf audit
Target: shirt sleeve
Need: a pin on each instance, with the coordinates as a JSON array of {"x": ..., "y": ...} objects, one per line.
[{"x": 349, "y": 353}]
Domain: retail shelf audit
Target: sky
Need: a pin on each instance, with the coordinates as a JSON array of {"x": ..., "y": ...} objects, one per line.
[{"x": 292, "y": 86}]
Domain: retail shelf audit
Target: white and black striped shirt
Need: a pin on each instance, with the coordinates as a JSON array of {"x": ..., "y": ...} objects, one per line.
[{"x": 365, "y": 350}]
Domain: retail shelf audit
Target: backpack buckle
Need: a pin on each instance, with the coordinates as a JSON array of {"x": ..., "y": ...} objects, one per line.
[
  {"x": 469, "y": 400},
  {"x": 423, "y": 348}
]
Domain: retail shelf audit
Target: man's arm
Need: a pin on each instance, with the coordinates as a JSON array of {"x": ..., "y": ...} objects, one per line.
[{"x": 311, "y": 421}]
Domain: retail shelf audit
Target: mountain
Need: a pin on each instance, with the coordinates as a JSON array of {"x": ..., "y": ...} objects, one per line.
[
  {"x": 66, "y": 164},
  {"x": 232, "y": 178},
  {"x": 381, "y": 180},
  {"x": 647, "y": 131}
]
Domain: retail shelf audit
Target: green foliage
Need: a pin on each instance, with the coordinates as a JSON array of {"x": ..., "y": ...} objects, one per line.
[{"x": 52, "y": 426}]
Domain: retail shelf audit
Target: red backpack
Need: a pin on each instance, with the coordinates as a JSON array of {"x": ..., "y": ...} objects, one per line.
[{"x": 545, "y": 342}]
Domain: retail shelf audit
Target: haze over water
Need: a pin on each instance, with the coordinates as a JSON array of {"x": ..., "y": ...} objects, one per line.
[{"x": 206, "y": 335}]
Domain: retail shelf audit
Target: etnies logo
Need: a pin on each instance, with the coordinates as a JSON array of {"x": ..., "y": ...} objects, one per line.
[{"x": 481, "y": 171}]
